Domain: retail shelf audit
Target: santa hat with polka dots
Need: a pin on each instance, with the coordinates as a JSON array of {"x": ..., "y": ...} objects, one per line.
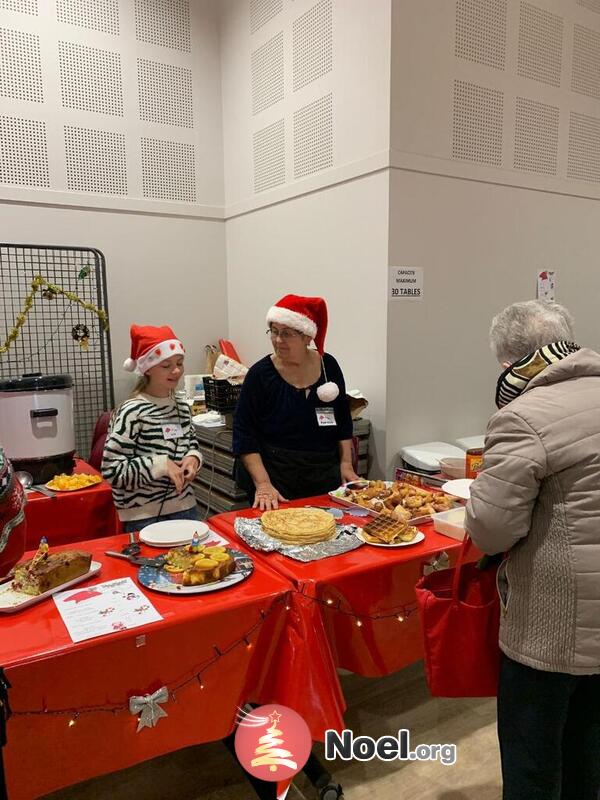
[
  {"x": 150, "y": 346},
  {"x": 309, "y": 316}
]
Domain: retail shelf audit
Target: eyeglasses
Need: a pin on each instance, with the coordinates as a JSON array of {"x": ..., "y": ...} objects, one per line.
[{"x": 284, "y": 335}]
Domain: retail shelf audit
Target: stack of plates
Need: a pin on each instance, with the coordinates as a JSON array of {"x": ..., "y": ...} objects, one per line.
[{"x": 173, "y": 533}]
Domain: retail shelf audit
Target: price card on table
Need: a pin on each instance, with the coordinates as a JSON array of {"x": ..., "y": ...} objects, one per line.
[{"x": 104, "y": 608}]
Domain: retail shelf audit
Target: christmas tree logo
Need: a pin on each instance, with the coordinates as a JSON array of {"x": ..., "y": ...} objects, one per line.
[
  {"x": 272, "y": 742},
  {"x": 269, "y": 752}
]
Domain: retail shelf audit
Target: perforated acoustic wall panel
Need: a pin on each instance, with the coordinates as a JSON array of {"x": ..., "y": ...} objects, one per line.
[
  {"x": 269, "y": 156},
  {"x": 266, "y": 67},
  {"x": 96, "y": 160},
  {"x": 536, "y": 136},
  {"x": 477, "y": 123},
  {"x": 481, "y": 31},
  {"x": 164, "y": 22},
  {"x": 312, "y": 44},
  {"x": 586, "y": 61},
  {"x": 168, "y": 170},
  {"x": 23, "y": 152},
  {"x": 20, "y": 66},
  {"x": 592, "y": 5},
  {"x": 165, "y": 93},
  {"x": 95, "y": 15},
  {"x": 584, "y": 148},
  {"x": 292, "y": 76},
  {"x": 90, "y": 79},
  {"x": 540, "y": 44},
  {"x": 313, "y": 137},
  {"x": 23, "y": 6},
  {"x": 262, "y": 11},
  {"x": 113, "y": 101}
]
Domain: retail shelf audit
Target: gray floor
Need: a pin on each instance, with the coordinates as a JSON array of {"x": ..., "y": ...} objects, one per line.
[{"x": 376, "y": 707}]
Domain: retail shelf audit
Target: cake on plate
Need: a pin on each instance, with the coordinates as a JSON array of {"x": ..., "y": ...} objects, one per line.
[
  {"x": 194, "y": 566},
  {"x": 47, "y": 570}
]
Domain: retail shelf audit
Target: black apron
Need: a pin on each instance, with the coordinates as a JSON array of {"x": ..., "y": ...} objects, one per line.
[{"x": 295, "y": 473}]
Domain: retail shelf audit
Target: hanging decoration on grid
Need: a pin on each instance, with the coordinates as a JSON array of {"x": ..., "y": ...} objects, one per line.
[
  {"x": 81, "y": 334},
  {"x": 51, "y": 291}
]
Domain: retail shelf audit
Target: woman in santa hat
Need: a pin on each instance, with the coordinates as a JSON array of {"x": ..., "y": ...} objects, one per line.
[
  {"x": 151, "y": 454},
  {"x": 292, "y": 430}
]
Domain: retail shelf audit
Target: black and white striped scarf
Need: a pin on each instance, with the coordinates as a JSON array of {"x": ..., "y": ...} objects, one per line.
[{"x": 516, "y": 378}]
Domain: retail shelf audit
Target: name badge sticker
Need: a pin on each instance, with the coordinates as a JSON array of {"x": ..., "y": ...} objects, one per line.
[
  {"x": 325, "y": 417},
  {"x": 172, "y": 431}
]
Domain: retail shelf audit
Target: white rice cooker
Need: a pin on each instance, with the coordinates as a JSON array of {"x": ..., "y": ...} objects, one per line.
[{"x": 36, "y": 424}]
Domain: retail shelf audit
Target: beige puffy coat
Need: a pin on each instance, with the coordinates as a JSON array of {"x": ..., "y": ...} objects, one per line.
[{"x": 538, "y": 500}]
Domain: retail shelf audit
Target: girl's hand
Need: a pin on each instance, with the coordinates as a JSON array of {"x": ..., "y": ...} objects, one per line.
[
  {"x": 347, "y": 472},
  {"x": 189, "y": 466},
  {"x": 267, "y": 497},
  {"x": 175, "y": 475}
]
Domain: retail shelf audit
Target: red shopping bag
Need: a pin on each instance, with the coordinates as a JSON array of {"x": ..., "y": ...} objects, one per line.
[{"x": 460, "y": 617}]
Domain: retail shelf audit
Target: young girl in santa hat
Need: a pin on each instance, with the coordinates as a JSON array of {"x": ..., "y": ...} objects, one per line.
[
  {"x": 292, "y": 428},
  {"x": 151, "y": 455}
]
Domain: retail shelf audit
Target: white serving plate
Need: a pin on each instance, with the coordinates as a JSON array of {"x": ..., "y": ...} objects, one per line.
[
  {"x": 418, "y": 538},
  {"x": 11, "y": 601},
  {"x": 173, "y": 533},
  {"x": 451, "y": 523},
  {"x": 459, "y": 488}
]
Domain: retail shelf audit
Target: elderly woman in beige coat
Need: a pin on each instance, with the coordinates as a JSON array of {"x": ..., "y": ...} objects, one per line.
[{"x": 538, "y": 501}]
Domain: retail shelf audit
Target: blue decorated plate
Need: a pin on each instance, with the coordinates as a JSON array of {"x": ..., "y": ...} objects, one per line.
[{"x": 158, "y": 580}]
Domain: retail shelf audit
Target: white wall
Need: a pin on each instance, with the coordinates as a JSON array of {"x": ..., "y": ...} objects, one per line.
[
  {"x": 345, "y": 54},
  {"x": 487, "y": 189},
  {"x": 112, "y": 105},
  {"x": 481, "y": 246},
  {"x": 332, "y": 243},
  {"x": 160, "y": 270},
  {"x": 498, "y": 90}
]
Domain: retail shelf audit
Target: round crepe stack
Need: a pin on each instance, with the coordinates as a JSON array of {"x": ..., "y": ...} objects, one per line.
[{"x": 299, "y": 525}]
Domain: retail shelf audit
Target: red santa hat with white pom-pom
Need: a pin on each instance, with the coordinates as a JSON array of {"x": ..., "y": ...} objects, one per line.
[
  {"x": 150, "y": 346},
  {"x": 308, "y": 315}
]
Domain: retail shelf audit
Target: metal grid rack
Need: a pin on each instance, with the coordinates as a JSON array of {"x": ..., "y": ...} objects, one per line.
[{"x": 47, "y": 342}]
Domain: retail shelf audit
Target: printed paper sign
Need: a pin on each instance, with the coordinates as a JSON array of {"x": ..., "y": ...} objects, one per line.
[
  {"x": 546, "y": 285},
  {"x": 405, "y": 283},
  {"x": 104, "y": 608}
]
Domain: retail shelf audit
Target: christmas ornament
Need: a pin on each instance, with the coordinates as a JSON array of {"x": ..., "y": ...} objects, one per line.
[
  {"x": 81, "y": 334},
  {"x": 148, "y": 707}
]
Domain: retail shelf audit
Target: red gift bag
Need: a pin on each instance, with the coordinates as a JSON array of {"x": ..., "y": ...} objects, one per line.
[{"x": 460, "y": 617}]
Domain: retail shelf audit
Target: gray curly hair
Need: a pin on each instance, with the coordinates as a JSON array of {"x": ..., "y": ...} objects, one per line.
[{"x": 524, "y": 327}]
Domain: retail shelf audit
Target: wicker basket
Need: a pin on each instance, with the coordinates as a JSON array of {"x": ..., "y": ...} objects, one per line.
[{"x": 221, "y": 395}]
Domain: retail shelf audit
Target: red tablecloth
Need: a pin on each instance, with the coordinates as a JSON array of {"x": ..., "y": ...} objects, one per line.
[
  {"x": 48, "y": 671},
  {"x": 362, "y": 601},
  {"x": 72, "y": 516}
]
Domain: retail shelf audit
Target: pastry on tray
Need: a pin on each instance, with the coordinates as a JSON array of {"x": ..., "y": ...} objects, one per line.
[
  {"x": 196, "y": 565},
  {"x": 47, "y": 570},
  {"x": 299, "y": 525},
  {"x": 386, "y": 530},
  {"x": 399, "y": 500}
]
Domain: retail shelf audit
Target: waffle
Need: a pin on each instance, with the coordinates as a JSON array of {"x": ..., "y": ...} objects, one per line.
[
  {"x": 299, "y": 525},
  {"x": 385, "y": 530}
]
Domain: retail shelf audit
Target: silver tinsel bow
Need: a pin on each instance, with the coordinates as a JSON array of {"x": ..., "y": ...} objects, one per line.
[{"x": 148, "y": 705}]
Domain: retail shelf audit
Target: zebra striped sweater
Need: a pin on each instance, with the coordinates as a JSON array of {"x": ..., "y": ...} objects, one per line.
[{"x": 136, "y": 454}]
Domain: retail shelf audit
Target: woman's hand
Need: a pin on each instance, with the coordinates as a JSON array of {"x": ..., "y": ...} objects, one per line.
[
  {"x": 347, "y": 472},
  {"x": 175, "y": 475},
  {"x": 267, "y": 497},
  {"x": 189, "y": 466}
]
